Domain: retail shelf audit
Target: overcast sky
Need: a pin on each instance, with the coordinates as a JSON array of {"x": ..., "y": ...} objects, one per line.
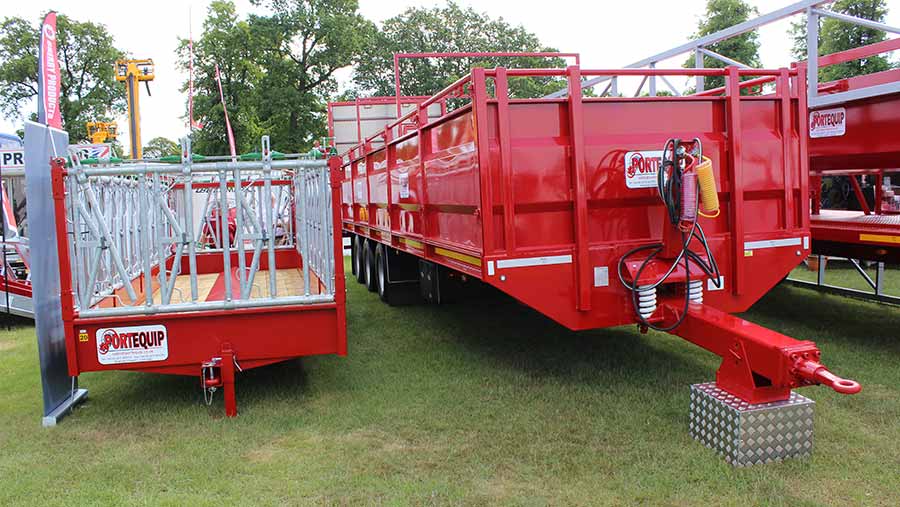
[{"x": 608, "y": 34}]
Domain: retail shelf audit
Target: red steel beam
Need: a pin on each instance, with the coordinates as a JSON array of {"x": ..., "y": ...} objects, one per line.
[{"x": 473, "y": 54}]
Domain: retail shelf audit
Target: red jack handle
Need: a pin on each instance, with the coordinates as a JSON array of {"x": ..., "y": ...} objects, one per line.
[{"x": 815, "y": 372}]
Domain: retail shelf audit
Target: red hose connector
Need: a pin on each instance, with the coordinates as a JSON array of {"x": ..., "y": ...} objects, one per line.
[{"x": 815, "y": 372}]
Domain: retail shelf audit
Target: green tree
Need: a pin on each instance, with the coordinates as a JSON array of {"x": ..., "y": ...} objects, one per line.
[
  {"x": 304, "y": 43},
  {"x": 744, "y": 48},
  {"x": 277, "y": 70},
  {"x": 447, "y": 29},
  {"x": 88, "y": 88},
  {"x": 159, "y": 147},
  {"x": 836, "y": 36},
  {"x": 228, "y": 42}
]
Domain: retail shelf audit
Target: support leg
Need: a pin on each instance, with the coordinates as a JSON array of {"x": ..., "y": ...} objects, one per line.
[{"x": 227, "y": 369}]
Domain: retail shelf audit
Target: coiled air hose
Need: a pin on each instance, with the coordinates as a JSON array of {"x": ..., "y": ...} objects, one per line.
[
  {"x": 709, "y": 195},
  {"x": 678, "y": 190}
]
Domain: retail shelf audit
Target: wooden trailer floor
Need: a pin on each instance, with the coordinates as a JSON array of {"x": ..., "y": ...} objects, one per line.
[{"x": 211, "y": 286}]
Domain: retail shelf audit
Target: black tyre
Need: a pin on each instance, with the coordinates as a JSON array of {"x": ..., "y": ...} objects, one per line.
[
  {"x": 369, "y": 250},
  {"x": 382, "y": 280},
  {"x": 354, "y": 267},
  {"x": 360, "y": 249}
]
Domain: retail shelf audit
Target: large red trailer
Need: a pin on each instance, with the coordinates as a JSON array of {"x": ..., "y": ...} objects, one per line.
[
  {"x": 555, "y": 201},
  {"x": 154, "y": 278}
]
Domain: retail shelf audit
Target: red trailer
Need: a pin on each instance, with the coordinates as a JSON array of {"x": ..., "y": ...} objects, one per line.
[
  {"x": 854, "y": 136},
  {"x": 152, "y": 281},
  {"x": 556, "y": 202}
]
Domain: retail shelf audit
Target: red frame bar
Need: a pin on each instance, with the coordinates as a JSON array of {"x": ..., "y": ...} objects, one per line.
[
  {"x": 472, "y": 54},
  {"x": 577, "y": 146},
  {"x": 735, "y": 176}
]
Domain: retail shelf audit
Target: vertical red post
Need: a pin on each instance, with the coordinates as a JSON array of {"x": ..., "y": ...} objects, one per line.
[
  {"x": 479, "y": 109},
  {"x": 736, "y": 175},
  {"x": 576, "y": 147},
  {"x": 783, "y": 92},
  {"x": 390, "y": 160},
  {"x": 879, "y": 196},
  {"x": 397, "y": 84},
  {"x": 501, "y": 90},
  {"x": 424, "y": 149},
  {"x": 340, "y": 295},
  {"x": 66, "y": 294},
  {"x": 803, "y": 119},
  {"x": 227, "y": 369}
]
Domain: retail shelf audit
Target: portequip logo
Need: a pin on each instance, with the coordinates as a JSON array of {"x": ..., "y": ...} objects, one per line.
[
  {"x": 828, "y": 123},
  {"x": 641, "y": 168},
  {"x": 135, "y": 344}
]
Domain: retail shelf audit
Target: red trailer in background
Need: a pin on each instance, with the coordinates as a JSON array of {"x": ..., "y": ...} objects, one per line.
[
  {"x": 557, "y": 203},
  {"x": 856, "y": 136}
]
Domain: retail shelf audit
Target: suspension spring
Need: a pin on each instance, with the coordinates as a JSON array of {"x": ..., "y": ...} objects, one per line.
[
  {"x": 695, "y": 291},
  {"x": 646, "y": 302}
]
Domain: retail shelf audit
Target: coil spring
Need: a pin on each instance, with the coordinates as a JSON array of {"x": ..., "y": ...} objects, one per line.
[
  {"x": 695, "y": 291},
  {"x": 646, "y": 302}
]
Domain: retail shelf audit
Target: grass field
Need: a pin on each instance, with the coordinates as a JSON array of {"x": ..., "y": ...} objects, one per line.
[
  {"x": 473, "y": 404},
  {"x": 842, "y": 274}
]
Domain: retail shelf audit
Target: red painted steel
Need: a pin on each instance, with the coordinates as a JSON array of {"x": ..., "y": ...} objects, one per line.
[
  {"x": 470, "y": 54},
  {"x": 868, "y": 146},
  {"x": 240, "y": 338},
  {"x": 530, "y": 196}
]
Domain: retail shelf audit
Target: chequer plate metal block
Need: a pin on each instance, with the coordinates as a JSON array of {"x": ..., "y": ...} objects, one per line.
[{"x": 751, "y": 434}]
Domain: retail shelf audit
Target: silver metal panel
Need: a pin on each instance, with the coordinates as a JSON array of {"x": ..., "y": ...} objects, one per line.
[
  {"x": 18, "y": 305},
  {"x": 751, "y": 434},
  {"x": 771, "y": 243},
  {"x": 601, "y": 276},
  {"x": 534, "y": 261},
  {"x": 60, "y": 391},
  {"x": 860, "y": 93}
]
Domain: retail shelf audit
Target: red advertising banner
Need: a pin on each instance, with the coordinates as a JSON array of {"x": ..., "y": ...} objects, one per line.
[{"x": 48, "y": 75}]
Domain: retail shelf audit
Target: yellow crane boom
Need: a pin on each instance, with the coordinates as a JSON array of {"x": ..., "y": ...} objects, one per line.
[{"x": 131, "y": 72}]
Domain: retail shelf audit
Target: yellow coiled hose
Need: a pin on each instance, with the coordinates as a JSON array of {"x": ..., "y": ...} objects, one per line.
[{"x": 709, "y": 195}]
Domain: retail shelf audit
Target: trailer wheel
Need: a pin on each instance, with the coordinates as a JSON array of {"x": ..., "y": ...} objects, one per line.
[
  {"x": 354, "y": 267},
  {"x": 359, "y": 259},
  {"x": 381, "y": 270},
  {"x": 369, "y": 251}
]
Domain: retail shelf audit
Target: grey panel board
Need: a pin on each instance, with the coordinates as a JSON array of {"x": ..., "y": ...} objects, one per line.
[{"x": 41, "y": 143}]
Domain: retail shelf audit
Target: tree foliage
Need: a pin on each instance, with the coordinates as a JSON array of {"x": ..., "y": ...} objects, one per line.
[
  {"x": 744, "y": 48},
  {"x": 276, "y": 70},
  {"x": 447, "y": 29},
  {"x": 836, "y": 36},
  {"x": 88, "y": 88},
  {"x": 159, "y": 147}
]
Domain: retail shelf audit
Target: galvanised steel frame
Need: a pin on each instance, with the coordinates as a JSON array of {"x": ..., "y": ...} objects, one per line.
[{"x": 126, "y": 233}]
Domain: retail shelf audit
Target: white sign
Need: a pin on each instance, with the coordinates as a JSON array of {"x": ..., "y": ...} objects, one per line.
[
  {"x": 135, "y": 344},
  {"x": 641, "y": 168},
  {"x": 828, "y": 123},
  {"x": 12, "y": 159},
  {"x": 404, "y": 185}
]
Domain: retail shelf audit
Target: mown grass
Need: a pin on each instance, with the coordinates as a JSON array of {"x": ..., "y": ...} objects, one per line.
[
  {"x": 485, "y": 403},
  {"x": 841, "y": 273}
]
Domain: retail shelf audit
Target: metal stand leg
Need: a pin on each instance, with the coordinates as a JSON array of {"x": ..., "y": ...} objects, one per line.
[{"x": 227, "y": 369}]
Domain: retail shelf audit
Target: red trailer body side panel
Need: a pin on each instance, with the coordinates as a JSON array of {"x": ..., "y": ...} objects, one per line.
[{"x": 531, "y": 198}]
